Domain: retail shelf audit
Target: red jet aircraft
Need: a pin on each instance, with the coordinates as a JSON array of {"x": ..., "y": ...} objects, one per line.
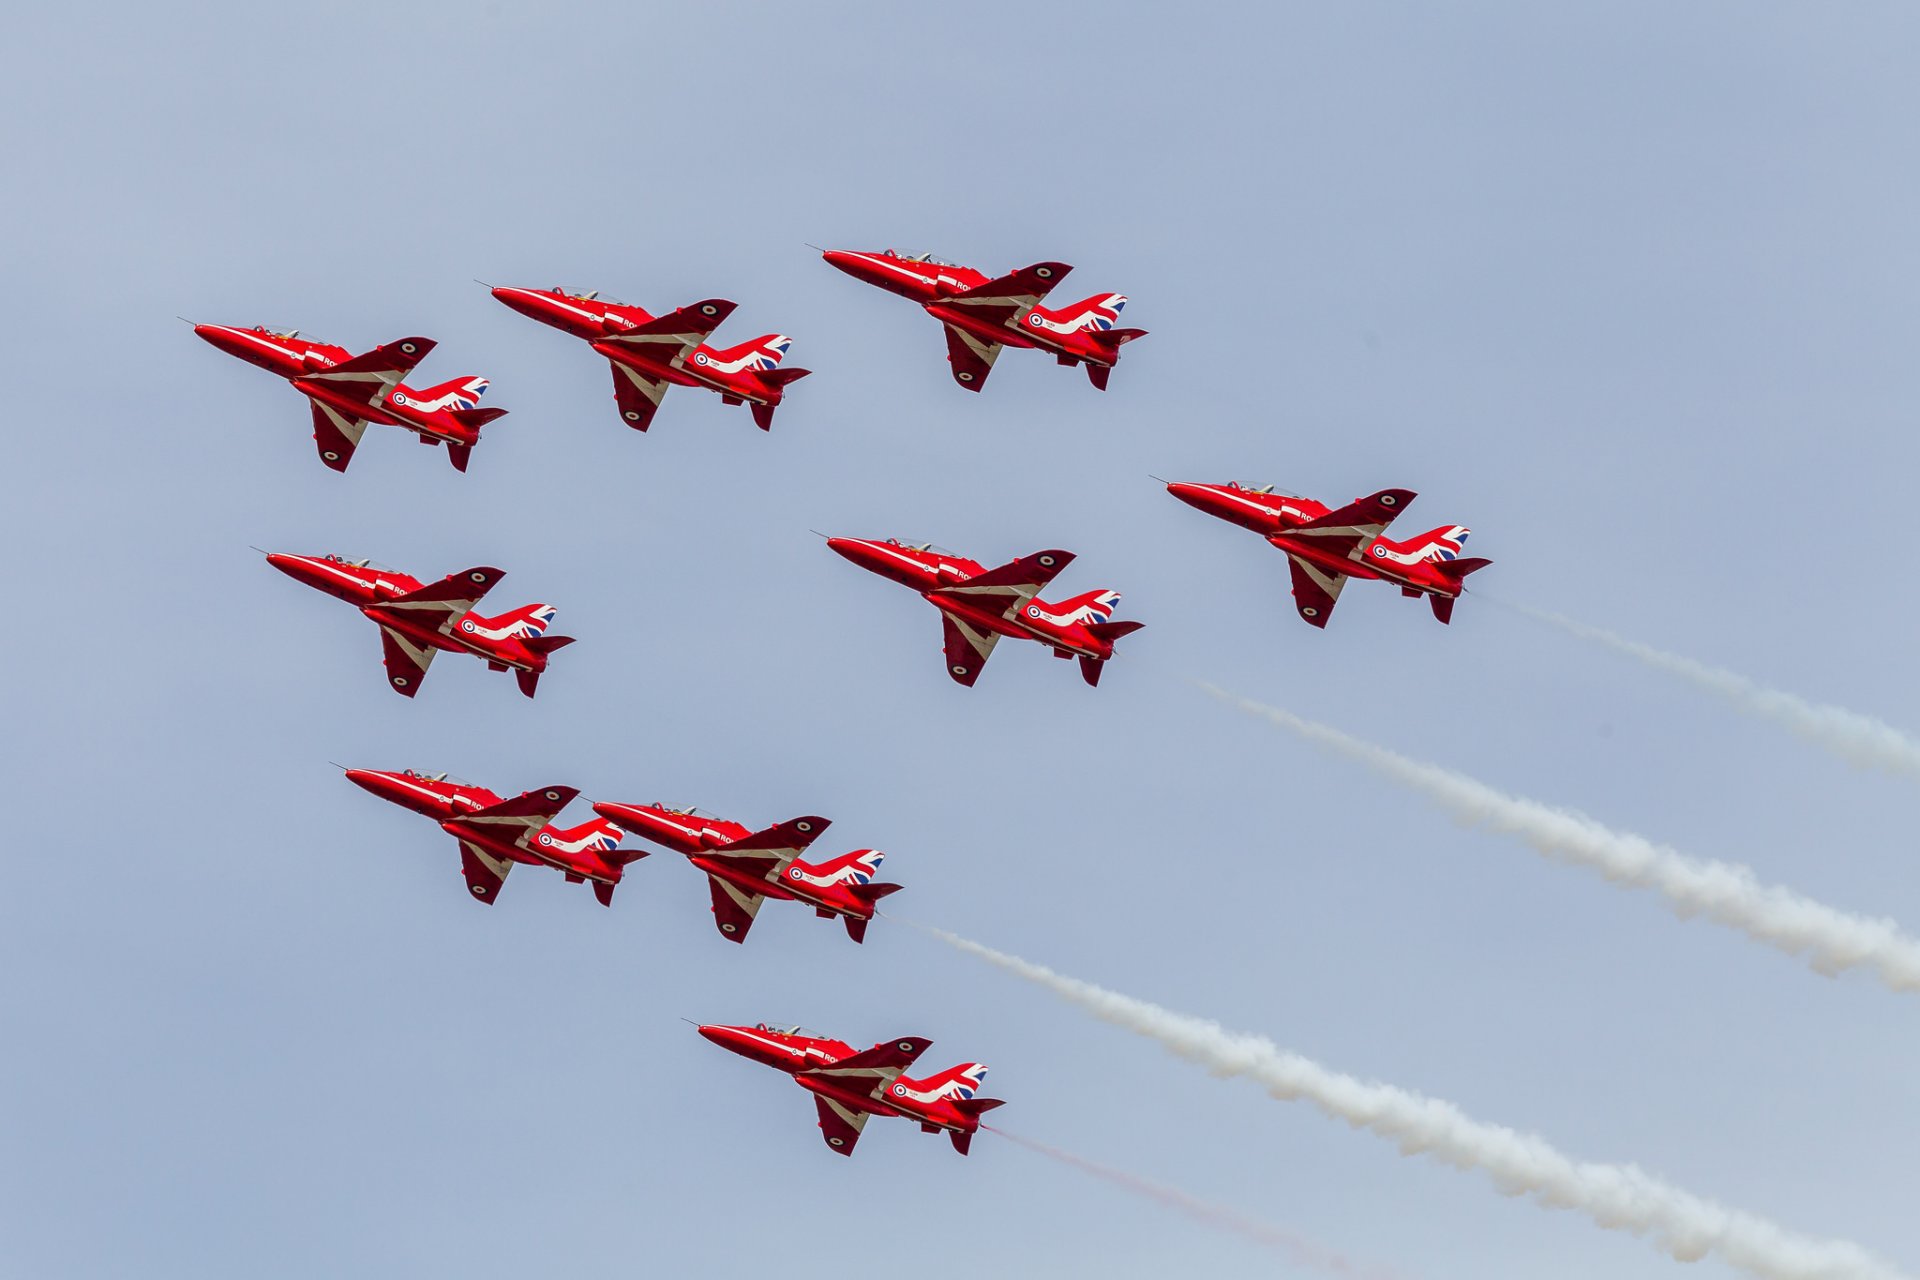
[
  {"x": 417, "y": 621},
  {"x": 978, "y": 605},
  {"x": 494, "y": 833},
  {"x": 847, "y": 1087},
  {"x": 981, "y": 315},
  {"x": 649, "y": 352},
  {"x": 350, "y": 391},
  {"x": 1326, "y": 547},
  {"x": 744, "y": 868}
]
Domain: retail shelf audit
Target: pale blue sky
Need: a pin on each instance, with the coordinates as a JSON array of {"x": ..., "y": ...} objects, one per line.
[{"x": 1629, "y": 289}]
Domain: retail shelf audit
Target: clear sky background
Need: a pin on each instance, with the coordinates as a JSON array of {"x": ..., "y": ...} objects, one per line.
[{"x": 1628, "y": 288}]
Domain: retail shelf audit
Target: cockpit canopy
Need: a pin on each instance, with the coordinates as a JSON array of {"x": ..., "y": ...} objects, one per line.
[
  {"x": 437, "y": 777},
  {"x": 788, "y": 1029},
  {"x": 586, "y": 295},
  {"x": 904, "y": 256},
  {"x": 934, "y": 547},
  {"x": 1247, "y": 488},
  {"x": 271, "y": 332},
  {"x": 362, "y": 564}
]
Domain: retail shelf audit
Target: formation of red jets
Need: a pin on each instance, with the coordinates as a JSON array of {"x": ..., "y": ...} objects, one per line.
[{"x": 1325, "y": 547}]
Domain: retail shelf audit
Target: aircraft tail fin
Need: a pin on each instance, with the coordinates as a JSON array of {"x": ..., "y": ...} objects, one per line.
[
  {"x": 603, "y": 891},
  {"x": 762, "y": 354},
  {"x": 1089, "y": 606},
  {"x": 1442, "y": 607},
  {"x": 961, "y": 1139},
  {"x": 1098, "y": 374},
  {"x": 460, "y": 393},
  {"x": 459, "y": 455},
  {"x": 528, "y": 622},
  {"x": 762, "y": 416},
  {"x": 856, "y": 927},
  {"x": 529, "y": 681}
]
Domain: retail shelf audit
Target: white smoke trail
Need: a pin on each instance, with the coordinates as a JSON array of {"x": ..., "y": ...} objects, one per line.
[
  {"x": 1294, "y": 1247},
  {"x": 1858, "y": 739},
  {"x": 1830, "y": 940},
  {"x": 1617, "y": 1197}
]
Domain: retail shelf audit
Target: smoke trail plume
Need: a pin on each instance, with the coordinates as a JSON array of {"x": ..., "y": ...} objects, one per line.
[
  {"x": 1858, "y": 739},
  {"x": 1618, "y": 1197},
  {"x": 1831, "y": 941},
  {"x": 1295, "y": 1248}
]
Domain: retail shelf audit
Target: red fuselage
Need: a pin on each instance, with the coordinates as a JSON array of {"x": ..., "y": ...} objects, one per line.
[
  {"x": 595, "y": 320},
  {"x": 798, "y": 1051},
  {"x": 583, "y": 853},
  {"x": 367, "y": 587},
  {"x": 928, "y": 571},
  {"x": 935, "y": 284},
  {"x": 697, "y": 836},
  {"x": 1274, "y": 515},
  {"x": 294, "y": 358}
]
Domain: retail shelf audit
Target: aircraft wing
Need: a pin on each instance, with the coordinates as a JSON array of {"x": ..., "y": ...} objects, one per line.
[
  {"x": 515, "y": 821},
  {"x": 733, "y": 909},
  {"x": 667, "y": 341},
  {"x": 335, "y": 435},
  {"x": 637, "y": 395},
  {"x": 840, "y": 1124},
  {"x": 1348, "y": 530},
  {"x": 485, "y": 873},
  {"x": 869, "y": 1072},
  {"x": 1005, "y": 588},
  {"x": 971, "y": 358},
  {"x": 1008, "y": 297},
  {"x": 438, "y": 605},
  {"x": 968, "y": 648},
  {"x": 767, "y": 853},
  {"x": 407, "y": 661},
  {"x": 367, "y": 378},
  {"x": 1314, "y": 590}
]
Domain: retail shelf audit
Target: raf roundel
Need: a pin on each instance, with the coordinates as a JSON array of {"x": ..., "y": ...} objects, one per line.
[
  {"x": 700, "y": 358},
  {"x": 477, "y": 576},
  {"x": 632, "y": 416},
  {"x": 965, "y": 377},
  {"x": 467, "y": 625},
  {"x": 1047, "y": 561},
  {"x": 1310, "y": 612},
  {"x": 1033, "y": 318},
  {"x": 407, "y": 347},
  {"x": 1388, "y": 500},
  {"x": 728, "y": 928},
  {"x": 1033, "y": 611},
  {"x": 479, "y": 891},
  {"x": 331, "y": 456},
  {"x": 959, "y": 670},
  {"x": 554, "y": 796},
  {"x": 794, "y": 872},
  {"x": 803, "y": 826},
  {"x": 899, "y": 1091},
  {"x": 1380, "y": 552},
  {"x": 399, "y": 682},
  {"x": 1045, "y": 273},
  {"x": 836, "y": 1142},
  {"x": 905, "y": 1046},
  {"x": 708, "y": 310},
  {"x": 545, "y": 838}
]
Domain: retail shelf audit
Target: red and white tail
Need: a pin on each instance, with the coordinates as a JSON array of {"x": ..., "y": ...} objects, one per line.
[
  {"x": 1443, "y": 543},
  {"x": 597, "y": 836},
  {"x": 461, "y": 393},
  {"x": 858, "y": 867},
  {"x": 956, "y": 1084},
  {"x": 762, "y": 355},
  {"x": 528, "y": 622},
  {"x": 1092, "y": 606},
  {"x": 1101, "y": 311}
]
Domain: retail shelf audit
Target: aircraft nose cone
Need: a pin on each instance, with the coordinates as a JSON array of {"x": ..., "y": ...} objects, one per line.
[
  {"x": 858, "y": 265},
  {"x": 727, "y": 1038},
  {"x": 1194, "y": 495},
  {"x": 368, "y": 780}
]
